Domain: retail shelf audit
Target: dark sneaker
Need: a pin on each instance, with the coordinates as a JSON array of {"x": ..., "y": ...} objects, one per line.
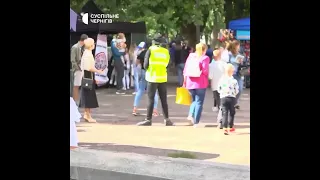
[
  {"x": 168, "y": 122},
  {"x": 144, "y": 123},
  {"x": 120, "y": 92}
]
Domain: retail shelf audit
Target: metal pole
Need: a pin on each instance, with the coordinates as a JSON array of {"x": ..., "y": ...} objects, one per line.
[{"x": 197, "y": 25}]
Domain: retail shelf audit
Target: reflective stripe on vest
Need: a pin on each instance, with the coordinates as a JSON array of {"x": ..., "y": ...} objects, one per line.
[{"x": 158, "y": 62}]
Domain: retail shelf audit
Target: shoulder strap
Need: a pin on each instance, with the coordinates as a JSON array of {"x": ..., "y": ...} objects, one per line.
[{"x": 230, "y": 55}]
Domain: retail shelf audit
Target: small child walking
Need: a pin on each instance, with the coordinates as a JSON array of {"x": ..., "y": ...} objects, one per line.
[
  {"x": 228, "y": 88},
  {"x": 216, "y": 71}
]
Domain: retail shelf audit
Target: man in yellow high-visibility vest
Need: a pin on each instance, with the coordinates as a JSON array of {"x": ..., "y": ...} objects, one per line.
[{"x": 156, "y": 61}]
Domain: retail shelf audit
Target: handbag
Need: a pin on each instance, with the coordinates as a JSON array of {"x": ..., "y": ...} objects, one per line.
[
  {"x": 87, "y": 83},
  {"x": 244, "y": 71},
  {"x": 183, "y": 96}
]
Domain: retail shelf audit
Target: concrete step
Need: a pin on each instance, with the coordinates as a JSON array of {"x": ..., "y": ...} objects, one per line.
[{"x": 87, "y": 164}]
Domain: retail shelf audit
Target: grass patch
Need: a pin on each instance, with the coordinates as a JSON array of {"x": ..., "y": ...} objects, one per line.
[{"x": 182, "y": 155}]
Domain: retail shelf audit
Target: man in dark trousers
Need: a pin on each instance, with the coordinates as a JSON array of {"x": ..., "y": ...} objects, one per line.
[{"x": 156, "y": 61}]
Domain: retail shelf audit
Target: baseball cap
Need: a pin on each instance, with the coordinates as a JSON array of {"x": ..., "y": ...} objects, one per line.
[{"x": 158, "y": 39}]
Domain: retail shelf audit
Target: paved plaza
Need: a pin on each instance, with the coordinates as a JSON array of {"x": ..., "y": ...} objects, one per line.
[{"x": 116, "y": 130}]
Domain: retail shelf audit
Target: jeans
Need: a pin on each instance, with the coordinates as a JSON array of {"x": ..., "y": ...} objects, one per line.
[
  {"x": 142, "y": 84},
  {"x": 162, "y": 89},
  {"x": 196, "y": 106},
  {"x": 240, "y": 83},
  {"x": 119, "y": 67},
  {"x": 180, "y": 68},
  {"x": 136, "y": 78},
  {"x": 227, "y": 106}
]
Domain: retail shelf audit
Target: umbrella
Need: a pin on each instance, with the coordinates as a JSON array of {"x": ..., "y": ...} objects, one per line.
[{"x": 73, "y": 20}]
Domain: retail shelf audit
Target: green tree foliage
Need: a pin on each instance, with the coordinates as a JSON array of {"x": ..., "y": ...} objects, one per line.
[
  {"x": 235, "y": 9},
  {"x": 170, "y": 17}
]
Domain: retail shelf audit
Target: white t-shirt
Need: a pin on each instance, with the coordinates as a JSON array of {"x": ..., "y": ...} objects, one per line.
[
  {"x": 225, "y": 56},
  {"x": 87, "y": 60},
  {"x": 216, "y": 71}
]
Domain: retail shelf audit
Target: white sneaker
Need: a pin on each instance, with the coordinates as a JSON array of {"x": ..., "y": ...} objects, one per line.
[
  {"x": 190, "y": 119},
  {"x": 215, "y": 109},
  {"x": 134, "y": 93}
]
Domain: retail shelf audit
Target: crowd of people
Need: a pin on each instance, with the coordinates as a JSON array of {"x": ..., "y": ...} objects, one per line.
[{"x": 148, "y": 65}]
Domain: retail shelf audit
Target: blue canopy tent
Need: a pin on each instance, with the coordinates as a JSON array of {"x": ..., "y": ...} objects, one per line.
[
  {"x": 240, "y": 24},
  {"x": 242, "y": 28}
]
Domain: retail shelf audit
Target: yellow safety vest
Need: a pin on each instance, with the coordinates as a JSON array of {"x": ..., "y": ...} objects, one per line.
[{"x": 158, "y": 62}]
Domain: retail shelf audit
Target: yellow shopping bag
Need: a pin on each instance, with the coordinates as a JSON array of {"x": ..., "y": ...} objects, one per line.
[{"x": 183, "y": 96}]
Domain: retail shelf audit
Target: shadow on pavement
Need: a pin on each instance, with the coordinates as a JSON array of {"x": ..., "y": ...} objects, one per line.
[
  {"x": 243, "y": 133},
  {"x": 143, "y": 150},
  {"x": 83, "y": 125},
  {"x": 238, "y": 126}
]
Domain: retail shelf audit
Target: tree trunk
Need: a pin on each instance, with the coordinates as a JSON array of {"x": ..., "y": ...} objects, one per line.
[
  {"x": 189, "y": 32},
  {"x": 215, "y": 30},
  {"x": 206, "y": 36}
]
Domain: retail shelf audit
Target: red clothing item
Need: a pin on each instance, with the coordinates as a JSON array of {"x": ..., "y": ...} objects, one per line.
[{"x": 247, "y": 49}]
